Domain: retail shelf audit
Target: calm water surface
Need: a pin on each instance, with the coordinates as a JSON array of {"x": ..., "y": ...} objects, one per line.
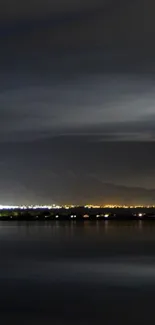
[{"x": 77, "y": 273}]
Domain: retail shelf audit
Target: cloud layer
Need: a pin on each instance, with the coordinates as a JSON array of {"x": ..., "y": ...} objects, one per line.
[{"x": 76, "y": 99}]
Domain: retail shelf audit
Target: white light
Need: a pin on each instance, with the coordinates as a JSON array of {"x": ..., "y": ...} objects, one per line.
[
  {"x": 86, "y": 216},
  {"x": 106, "y": 215},
  {"x": 57, "y": 217},
  {"x": 140, "y": 214},
  {"x": 97, "y": 216},
  {"x": 72, "y": 217}
]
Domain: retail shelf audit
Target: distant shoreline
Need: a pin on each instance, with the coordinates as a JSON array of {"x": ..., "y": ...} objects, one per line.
[{"x": 78, "y": 214}]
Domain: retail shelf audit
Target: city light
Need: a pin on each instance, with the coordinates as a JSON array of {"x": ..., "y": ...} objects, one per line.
[
  {"x": 67, "y": 207},
  {"x": 86, "y": 216}
]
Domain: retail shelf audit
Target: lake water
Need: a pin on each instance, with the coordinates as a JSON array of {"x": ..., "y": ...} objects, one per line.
[{"x": 77, "y": 273}]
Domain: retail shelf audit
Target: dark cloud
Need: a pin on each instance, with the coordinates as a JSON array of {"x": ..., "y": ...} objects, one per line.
[
  {"x": 77, "y": 170},
  {"x": 77, "y": 99},
  {"x": 34, "y": 8},
  {"x": 83, "y": 107}
]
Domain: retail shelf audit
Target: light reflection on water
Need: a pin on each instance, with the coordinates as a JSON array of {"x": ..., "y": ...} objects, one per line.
[
  {"x": 78, "y": 270},
  {"x": 87, "y": 228}
]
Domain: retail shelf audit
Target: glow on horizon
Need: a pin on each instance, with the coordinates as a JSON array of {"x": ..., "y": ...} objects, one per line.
[
  {"x": 66, "y": 207},
  {"x": 24, "y": 207}
]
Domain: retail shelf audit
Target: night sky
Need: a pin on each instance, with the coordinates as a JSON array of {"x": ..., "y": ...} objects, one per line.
[{"x": 77, "y": 101}]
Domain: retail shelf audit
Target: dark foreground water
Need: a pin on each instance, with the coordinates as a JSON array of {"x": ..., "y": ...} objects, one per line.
[{"x": 84, "y": 273}]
